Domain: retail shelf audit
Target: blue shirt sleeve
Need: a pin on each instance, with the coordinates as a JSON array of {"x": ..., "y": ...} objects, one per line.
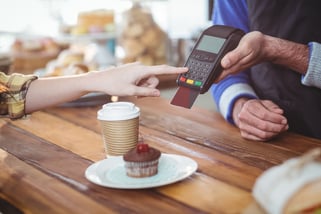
[
  {"x": 227, "y": 91},
  {"x": 232, "y": 13}
]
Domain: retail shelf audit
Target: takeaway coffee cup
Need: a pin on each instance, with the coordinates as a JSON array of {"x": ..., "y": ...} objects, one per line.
[{"x": 119, "y": 123}]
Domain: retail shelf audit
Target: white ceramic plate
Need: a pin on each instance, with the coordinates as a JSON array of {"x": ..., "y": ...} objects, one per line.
[{"x": 111, "y": 172}]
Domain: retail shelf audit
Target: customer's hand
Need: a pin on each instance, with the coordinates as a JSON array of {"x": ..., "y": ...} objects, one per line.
[
  {"x": 126, "y": 80},
  {"x": 259, "y": 120},
  {"x": 132, "y": 79}
]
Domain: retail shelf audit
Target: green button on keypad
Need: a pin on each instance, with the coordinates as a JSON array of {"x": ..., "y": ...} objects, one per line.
[{"x": 198, "y": 83}]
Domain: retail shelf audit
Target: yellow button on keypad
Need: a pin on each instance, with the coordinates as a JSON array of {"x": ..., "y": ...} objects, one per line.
[{"x": 189, "y": 81}]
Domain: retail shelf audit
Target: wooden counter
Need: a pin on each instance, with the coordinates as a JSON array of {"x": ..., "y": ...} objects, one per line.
[{"x": 43, "y": 159}]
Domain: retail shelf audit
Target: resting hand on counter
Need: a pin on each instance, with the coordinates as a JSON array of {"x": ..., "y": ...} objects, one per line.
[{"x": 259, "y": 120}]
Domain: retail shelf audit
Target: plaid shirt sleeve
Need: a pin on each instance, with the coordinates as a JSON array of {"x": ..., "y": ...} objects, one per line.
[{"x": 13, "y": 90}]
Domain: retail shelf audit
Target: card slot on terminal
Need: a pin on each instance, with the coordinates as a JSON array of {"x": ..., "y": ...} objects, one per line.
[{"x": 185, "y": 97}]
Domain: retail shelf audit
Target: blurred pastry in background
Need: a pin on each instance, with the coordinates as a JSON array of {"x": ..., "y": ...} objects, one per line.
[
  {"x": 54, "y": 69},
  {"x": 29, "y": 54},
  {"x": 92, "y": 22},
  {"x": 68, "y": 57},
  {"x": 141, "y": 38},
  {"x": 74, "y": 60}
]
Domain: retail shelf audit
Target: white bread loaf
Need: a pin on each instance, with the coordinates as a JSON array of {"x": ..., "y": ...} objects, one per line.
[{"x": 292, "y": 187}]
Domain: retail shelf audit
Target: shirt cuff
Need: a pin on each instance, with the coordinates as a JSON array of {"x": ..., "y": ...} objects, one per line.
[
  {"x": 230, "y": 95},
  {"x": 18, "y": 85},
  {"x": 313, "y": 75}
]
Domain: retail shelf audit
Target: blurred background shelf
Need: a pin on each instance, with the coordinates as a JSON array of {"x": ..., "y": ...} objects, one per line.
[{"x": 39, "y": 31}]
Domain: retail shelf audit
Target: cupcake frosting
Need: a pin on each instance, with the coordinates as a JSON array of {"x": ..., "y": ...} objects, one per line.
[{"x": 142, "y": 153}]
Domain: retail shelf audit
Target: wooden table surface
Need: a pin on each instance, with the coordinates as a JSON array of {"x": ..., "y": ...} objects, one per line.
[{"x": 43, "y": 159}]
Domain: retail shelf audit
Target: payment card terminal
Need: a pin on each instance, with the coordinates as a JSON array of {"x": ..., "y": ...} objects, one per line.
[{"x": 204, "y": 63}]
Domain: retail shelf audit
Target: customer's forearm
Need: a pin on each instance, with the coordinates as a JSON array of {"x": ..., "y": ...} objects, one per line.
[
  {"x": 46, "y": 92},
  {"x": 289, "y": 54}
]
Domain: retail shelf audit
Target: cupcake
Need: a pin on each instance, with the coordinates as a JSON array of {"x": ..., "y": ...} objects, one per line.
[{"x": 142, "y": 161}]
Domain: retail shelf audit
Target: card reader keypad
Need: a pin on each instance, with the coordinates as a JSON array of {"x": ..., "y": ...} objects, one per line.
[{"x": 199, "y": 67}]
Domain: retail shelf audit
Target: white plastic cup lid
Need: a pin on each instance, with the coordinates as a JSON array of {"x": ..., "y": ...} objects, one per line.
[{"x": 118, "y": 111}]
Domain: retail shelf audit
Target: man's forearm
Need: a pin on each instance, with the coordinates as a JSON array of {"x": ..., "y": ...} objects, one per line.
[{"x": 289, "y": 54}]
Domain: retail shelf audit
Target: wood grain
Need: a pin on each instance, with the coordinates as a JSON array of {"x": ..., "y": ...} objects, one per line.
[
  {"x": 69, "y": 168},
  {"x": 43, "y": 159},
  {"x": 17, "y": 178}
]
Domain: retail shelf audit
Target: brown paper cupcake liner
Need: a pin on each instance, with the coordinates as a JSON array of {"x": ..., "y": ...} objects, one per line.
[{"x": 141, "y": 169}]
